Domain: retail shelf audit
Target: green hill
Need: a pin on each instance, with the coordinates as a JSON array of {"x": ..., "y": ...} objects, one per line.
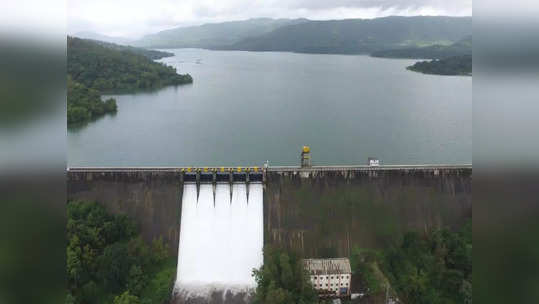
[
  {"x": 456, "y": 65},
  {"x": 459, "y": 48},
  {"x": 356, "y": 36},
  {"x": 94, "y": 68},
  {"x": 106, "y": 69},
  {"x": 213, "y": 35}
]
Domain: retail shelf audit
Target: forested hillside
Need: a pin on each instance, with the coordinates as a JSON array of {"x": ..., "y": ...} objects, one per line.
[
  {"x": 356, "y": 36},
  {"x": 349, "y": 36},
  {"x": 424, "y": 267},
  {"x": 84, "y": 104},
  {"x": 107, "y": 69},
  {"x": 94, "y": 68},
  {"x": 108, "y": 262},
  {"x": 213, "y": 35}
]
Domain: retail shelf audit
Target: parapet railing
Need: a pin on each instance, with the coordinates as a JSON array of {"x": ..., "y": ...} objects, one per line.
[
  {"x": 168, "y": 169},
  {"x": 367, "y": 168},
  {"x": 255, "y": 169}
]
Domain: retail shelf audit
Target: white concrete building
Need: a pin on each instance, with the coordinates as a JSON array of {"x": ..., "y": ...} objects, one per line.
[{"x": 330, "y": 277}]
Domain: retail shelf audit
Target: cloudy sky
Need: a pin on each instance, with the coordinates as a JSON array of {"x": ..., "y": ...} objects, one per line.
[{"x": 135, "y": 18}]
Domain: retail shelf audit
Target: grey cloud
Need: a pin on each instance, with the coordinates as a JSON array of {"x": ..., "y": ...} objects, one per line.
[
  {"x": 384, "y": 4},
  {"x": 156, "y": 15}
]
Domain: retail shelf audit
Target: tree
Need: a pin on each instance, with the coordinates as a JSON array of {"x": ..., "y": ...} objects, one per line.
[
  {"x": 159, "y": 250},
  {"x": 77, "y": 114},
  {"x": 70, "y": 299},
  {"x": 137, "y": 280},
  {"x": 89, "y": 292},
  {"x": 114, "y": 266},
  {"x": 84, "y": 103},
  {"x": 106, "y": 256},
  {"x": 126, "y": 298},
  {"x": 434, "y": 267},
  {"x": 282, "y": 279}
]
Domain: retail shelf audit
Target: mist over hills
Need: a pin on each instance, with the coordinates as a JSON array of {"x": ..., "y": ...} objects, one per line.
[
  {"x": 105, "y": 38},
  {"x": 428, "y": 37},
  {"x": 348, "y": 36}
]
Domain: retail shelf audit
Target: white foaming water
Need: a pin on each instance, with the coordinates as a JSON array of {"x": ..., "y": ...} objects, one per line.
[{"x": 221, "y": 239}]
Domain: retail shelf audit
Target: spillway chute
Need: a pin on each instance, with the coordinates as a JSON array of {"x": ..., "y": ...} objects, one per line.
[{"x": 219, "y": 243}]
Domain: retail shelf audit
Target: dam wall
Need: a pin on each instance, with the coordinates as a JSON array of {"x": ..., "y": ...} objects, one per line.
[
  {"x": 325, "y": 213},
  {"x": 319, "y": 211},
  {"x": 151, "y": 197}
]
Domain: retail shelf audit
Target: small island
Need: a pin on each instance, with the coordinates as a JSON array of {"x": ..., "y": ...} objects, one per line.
[
  {"x": 456, "y": 65},
  {"x": 95, "y": 68}
]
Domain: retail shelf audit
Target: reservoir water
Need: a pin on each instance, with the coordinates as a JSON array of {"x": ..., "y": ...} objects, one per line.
[{"x": 248, "y": 107}]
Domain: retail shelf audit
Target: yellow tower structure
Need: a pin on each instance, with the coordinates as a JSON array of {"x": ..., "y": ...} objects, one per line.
[{"x": 306, "y": 157}]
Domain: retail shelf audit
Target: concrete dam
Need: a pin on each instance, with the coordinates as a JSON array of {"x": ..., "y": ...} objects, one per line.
[{"x": 320, "y": 211}]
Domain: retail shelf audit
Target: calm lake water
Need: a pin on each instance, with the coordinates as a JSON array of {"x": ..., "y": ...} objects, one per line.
[{"x": 248, "y": 107}]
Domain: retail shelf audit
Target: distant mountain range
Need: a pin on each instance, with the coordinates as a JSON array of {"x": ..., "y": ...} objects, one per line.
[
  {"x": 101, "y": 37},
  {"x": 213, "y": 35},
  {"x": 356, "y": 36},
  {"x": 150, "y": 54},
  {"x": 395, "y": 36}
]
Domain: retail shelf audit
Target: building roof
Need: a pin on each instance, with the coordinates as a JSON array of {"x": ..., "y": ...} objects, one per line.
[{"x": 327, "y": 266}]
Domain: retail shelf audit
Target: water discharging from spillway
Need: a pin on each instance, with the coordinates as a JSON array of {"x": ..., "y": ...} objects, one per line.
[{"x": 221, "y": 238}]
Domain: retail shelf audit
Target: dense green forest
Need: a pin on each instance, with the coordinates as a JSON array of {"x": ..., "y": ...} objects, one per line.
[
  {"x": 430, "y": 268},
  {"x": 457, "y": 65},
  {"x": 84, "y": 104},
  {"x": 433, "y": 267},
  {"x": 94, "y": 68},
  {"x": 108, "y": 262},
  {"x": 107, "y": 69},
  {"x": 459, "y": 48}
]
